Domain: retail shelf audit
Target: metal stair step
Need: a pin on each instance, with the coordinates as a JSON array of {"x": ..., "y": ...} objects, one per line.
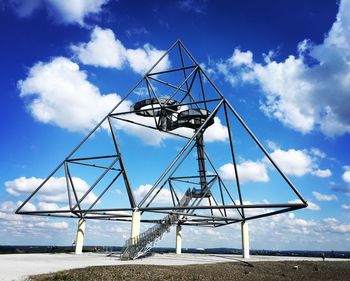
[{"x": 137, "y": 246}]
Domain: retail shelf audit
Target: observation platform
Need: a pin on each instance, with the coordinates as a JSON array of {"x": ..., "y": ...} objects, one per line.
[{"x": 170, "y": 116}]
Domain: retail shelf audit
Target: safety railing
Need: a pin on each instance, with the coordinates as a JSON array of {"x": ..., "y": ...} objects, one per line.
[{"x": 139, "y": 245}]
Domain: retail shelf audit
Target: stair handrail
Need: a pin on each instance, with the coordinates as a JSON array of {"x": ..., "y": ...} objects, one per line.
[{"x": 136, "y": 246}]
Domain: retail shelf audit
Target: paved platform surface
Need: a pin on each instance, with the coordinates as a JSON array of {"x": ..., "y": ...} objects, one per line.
[{"x": 19, "y": 266}]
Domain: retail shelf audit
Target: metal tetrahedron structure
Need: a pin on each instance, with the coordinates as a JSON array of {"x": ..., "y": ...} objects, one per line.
[{"x": 178, "y": 103}]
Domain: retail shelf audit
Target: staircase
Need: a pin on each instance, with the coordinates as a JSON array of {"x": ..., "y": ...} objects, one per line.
[{"x": 141, "y": 244}]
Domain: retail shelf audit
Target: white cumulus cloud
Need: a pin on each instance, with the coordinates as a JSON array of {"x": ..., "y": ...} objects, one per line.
[
  {"x": 216, "y": 132},
  {"x": 248, "y": 171},
  {"x": 105, "y": 50},
  {"x": 337, "y": 227},
  {"x": 72, "y": 11},
  {"x": 44, "y": 206},
  {"x": 59, "y": 93},
  {"x": 317, "y": 152},
  {"x": 305, "y": 92},
  {"x": 54, "y": 191},
  {"x": 54, "y": 225},
  {"x": 239, "y": 58},
  {"x": 10, "y": 206},
  {"x": 142, "y": 59},
  {"x": 346, "y": 176},
  {"x": 293, "y": 162},
  {"x": 322, "y": 173},
  {"x": 311, "y": 205},
  {"x": 163, "y": 197},
  {"x": 324, "y": 197}
]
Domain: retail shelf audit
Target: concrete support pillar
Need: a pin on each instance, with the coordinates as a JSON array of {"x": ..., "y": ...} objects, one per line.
[
  {"x": 79, "y": 241},
  {"x": 178, "y": 239},
  {"x": 135, "y": 223},
  {"x": 245, "y": 239}
]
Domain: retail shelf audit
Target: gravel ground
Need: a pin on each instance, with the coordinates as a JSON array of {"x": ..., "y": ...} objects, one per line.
[
  {"x": 19, "y": 266},
  {"x": 262, "y": 271}
]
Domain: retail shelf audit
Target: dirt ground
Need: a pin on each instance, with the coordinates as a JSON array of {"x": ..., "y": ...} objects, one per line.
[{"x": 262, "y": 271}]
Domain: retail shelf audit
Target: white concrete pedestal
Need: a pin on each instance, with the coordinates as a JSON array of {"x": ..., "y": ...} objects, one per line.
[
  {"x": 245, "y": 239},
  {"x": 79, "y": 241},
  {"x": 135, "y": 224},
  {"x": 178, "y": 239}
]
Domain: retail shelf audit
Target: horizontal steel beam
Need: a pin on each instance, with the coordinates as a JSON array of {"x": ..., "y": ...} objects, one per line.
[
  {"x": 251, "y": 206},
  {"x": 171, "y": 70},
  {"x": 91, "y": 158}
]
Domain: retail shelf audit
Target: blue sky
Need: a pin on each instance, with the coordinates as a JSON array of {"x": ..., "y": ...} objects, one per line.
[{"x": 283, "y": 65}]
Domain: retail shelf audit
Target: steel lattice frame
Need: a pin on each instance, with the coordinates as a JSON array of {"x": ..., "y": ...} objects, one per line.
[{"x": 167, "y": 178}]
